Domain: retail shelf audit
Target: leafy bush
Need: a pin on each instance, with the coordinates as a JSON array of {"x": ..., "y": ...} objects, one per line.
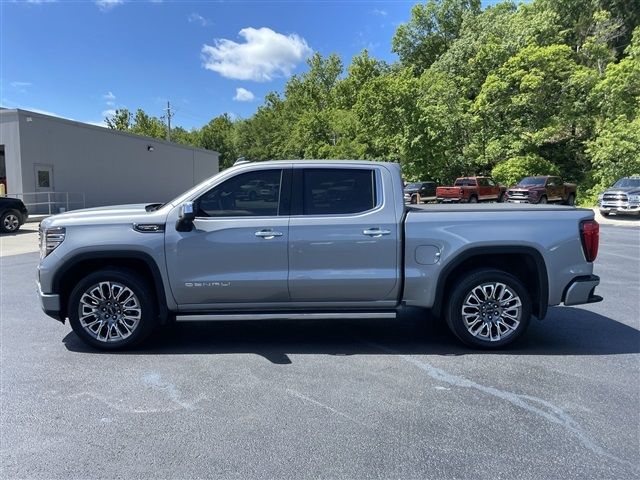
[{"x": 513, "y": 170}]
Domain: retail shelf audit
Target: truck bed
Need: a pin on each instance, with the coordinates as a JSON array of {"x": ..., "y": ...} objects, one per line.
[{"x": 488, "y": 207}]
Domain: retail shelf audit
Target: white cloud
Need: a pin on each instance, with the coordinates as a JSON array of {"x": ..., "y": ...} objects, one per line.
[
  {"x": 108, "y": 113},
  {"x": 106, "y": 5},
  {"x": 264, "y": 55},
  {"x": 243, "y": 95},
  {"x": 382, "y": 13},
  {"x": 20, "y": 84},
  {"x": 41, "y": 1},
  {"x": 110, "y": 98},
  {"x": 196, "y": 17}
]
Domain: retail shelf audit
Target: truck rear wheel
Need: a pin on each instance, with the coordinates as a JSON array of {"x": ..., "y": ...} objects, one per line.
[
  {"x": 488, "y": 309},
  {"x": 571, "y": 200},
  {"x": 473, "y": 199},
  {"x": 112, "y": 309}
]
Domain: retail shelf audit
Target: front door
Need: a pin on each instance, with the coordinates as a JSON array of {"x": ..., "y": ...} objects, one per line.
[
  {"x": 343, "y": 237},
  {"x": 237, "y": 250}
]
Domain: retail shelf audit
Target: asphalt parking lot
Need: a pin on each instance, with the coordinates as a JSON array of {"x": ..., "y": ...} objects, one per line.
[{"x": 343, "y": 399}]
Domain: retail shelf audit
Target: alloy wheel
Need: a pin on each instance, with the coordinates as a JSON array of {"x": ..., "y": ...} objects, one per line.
[
  {"x": 11, "y": 222},
  {"x": 492, "y": 311},
  {"x": 109, "y": 311}
]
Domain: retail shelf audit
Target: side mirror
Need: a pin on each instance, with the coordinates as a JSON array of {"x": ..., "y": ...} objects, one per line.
[{"x": 186, "y": 217}]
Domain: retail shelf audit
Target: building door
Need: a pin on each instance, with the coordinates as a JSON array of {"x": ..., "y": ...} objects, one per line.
[{"x": 43, "y": 188}]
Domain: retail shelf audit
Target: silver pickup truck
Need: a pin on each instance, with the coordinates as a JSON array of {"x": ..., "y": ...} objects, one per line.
[{"x": 319, "y": 240}]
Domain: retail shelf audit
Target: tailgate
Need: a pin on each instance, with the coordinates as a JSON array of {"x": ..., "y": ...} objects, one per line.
[{"x": 448, "y": 192}]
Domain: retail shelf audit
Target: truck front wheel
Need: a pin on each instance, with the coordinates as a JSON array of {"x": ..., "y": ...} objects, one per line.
[
  {"x": 112, "y": 309},
  {"x": 488, "y": 308}
]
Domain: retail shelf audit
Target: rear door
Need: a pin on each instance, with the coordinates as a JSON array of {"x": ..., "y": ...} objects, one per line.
[{"x": 343, "y": 236}]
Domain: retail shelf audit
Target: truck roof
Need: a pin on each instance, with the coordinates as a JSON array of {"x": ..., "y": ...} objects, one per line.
[{"x": 316, "y": 162}]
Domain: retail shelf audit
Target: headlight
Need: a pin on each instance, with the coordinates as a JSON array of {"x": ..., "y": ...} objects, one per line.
[
  {"x": 50, "y": 239},
  {"x": 634, "y": 198}
]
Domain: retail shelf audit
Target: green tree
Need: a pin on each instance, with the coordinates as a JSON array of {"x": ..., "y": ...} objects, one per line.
[
  {"x": 121, "y": 120},
  {"x": 432, "y": 29},
  {"x": 218, "y": 135},
  {"x": 535, "y": 102},
  {"x": 515, "y": 169}
]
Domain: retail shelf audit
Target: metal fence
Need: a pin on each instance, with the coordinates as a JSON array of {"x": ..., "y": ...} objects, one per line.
[{"x": 50, "y": 203}]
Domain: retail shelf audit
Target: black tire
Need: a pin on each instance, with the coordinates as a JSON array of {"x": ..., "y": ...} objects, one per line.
[
  {"x": 604, "y": 214},
  {"x": 493, "y": 325},
  {"x": 473, "y": 199},
  {"x": 543, "y": 200},
  {"x": 10, "y": 221},
  {"x": 145, "y": 301},
  {"x": 501, "y": 198},
  {"x": 571, "y": 200}
]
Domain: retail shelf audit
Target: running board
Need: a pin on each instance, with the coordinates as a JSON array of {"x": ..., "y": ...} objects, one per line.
[{"x": 213, "y": 317}]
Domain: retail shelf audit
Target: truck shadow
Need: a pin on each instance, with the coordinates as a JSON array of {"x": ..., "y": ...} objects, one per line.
[{"x": 566, "y": 331}]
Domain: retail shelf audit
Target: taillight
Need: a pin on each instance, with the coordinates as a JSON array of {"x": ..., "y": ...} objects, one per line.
[{"x": 590, "y": 235}]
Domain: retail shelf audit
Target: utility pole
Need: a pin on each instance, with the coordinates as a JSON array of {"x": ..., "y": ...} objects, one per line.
[{"x": 169, "y": 115}]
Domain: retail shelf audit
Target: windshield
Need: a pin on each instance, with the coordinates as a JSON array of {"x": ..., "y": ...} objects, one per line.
[
  {"x": 532, "y": 182},
  {"x": 627, "y": 182},
  {"x": 413, "y": 186}
]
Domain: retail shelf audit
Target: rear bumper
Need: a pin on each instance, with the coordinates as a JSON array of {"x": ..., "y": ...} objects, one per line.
[
  {"x": 50, "y": 303},
  {"x": 581, "y": 290}
]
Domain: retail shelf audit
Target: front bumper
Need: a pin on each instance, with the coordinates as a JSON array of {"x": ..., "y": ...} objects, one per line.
[
  {"x": 620, "y": 207},
  {"x": 580, "y": 290},
  {"x": 50, "y": 303}
]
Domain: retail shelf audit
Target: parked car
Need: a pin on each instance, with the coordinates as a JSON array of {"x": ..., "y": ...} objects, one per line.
[
  {"x": 426, "y": 191},
  {"x": 622, "y": 198},
  {"x": 118, "y": 273},
  {"x": 471, "y": 190},
  {"x": 542, "y": 189},
  {"x": 13, "y": 214}
]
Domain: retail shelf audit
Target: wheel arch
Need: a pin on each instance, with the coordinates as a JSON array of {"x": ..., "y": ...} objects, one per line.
[
  {"x": 83, "y": 264},
  {"x": 526, "y": 263}
]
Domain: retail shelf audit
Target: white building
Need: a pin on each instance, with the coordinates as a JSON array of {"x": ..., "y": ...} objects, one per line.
[{"x": 54, "y": 163}]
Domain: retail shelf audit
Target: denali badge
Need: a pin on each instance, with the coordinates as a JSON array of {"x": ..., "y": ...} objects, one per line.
[{"x": 207, "y": 284}]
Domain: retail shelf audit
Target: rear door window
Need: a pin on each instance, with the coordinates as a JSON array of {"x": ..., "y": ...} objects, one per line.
[{"x": 338, "y": 191}]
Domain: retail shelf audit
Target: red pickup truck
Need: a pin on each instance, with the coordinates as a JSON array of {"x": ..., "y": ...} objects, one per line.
[
  {"x": 471, "y": 190},
  {"x": 542, "y": 189}
]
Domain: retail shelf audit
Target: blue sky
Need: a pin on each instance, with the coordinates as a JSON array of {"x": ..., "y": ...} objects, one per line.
[{"x": 81, "y": 59}]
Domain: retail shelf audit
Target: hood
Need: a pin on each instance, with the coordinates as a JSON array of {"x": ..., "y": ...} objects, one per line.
[
  {"x": 526, "y": 188},
  {"x": 627, "y": 190},
  {"x": 107, "y": 215}
]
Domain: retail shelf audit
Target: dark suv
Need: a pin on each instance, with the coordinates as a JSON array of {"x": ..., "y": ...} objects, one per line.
[
  {"x": 13, "y": 213},
  {"x": 426, "y": 190}
]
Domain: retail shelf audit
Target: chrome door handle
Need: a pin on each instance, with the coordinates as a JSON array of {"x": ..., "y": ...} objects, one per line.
[
  {"x": 376, "y": 232},
  {"x": 268, "y": 234}
]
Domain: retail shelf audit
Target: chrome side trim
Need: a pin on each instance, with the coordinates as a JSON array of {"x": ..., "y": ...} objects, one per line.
[{"x": 284, "y": 316}]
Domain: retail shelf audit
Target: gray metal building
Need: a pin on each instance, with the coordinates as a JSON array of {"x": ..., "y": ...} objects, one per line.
[{"x": 57, "y": 164}]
